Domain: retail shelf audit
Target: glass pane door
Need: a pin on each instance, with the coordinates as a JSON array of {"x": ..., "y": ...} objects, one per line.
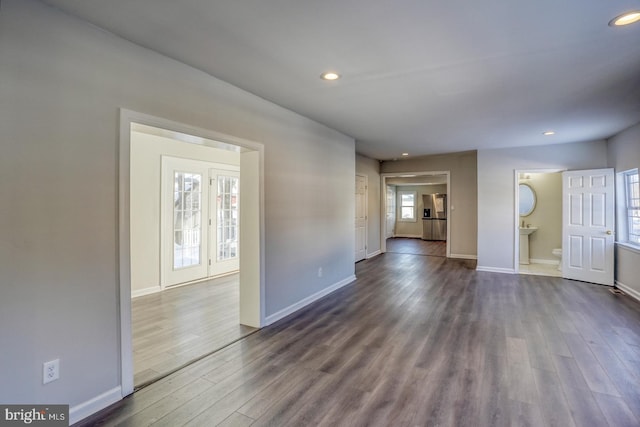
[
  {"x": 227, "y": 217},
  {"x": 184, "y": 236},
  {"x": 187, "y": 219}
]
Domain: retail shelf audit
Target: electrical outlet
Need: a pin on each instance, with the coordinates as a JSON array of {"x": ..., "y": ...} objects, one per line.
[
  {"x": 320, "y": 272},
  {"x": 50, "y": 371}
]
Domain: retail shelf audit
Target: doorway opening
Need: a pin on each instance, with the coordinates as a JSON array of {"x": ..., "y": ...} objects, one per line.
[
  {"x": 538, "y": 222},
  {"x": 587, "y": 223},
  {"x": 416, "y": 207},
  {"x": 191, "y": 250}
]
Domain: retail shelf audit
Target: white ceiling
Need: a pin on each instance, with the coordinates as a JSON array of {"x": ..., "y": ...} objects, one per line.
[{"x": 419, "y": 76}]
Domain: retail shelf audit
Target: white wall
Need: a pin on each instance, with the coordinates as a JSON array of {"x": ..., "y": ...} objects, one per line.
[
  {"x": 62, "y": 83},
  {"x": 371, "y": 169},
  {"x": 146, "y": 158},
  {"x": 624, "y": 154},
  {"x": 496, "y": 191}
]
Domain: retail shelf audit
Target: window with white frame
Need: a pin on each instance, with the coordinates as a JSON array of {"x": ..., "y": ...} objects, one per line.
[
  {"x": 632, "y": 206},
  {"x": 407, "y": 205}
]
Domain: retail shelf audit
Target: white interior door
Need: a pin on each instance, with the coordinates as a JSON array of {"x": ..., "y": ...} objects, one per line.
[
  {"x": 224, "y": 221},
  {"x": 391, "y": 211},
  {"x": 361, "y": 217},
  {"x": 184, "y": 235},
  {"x": 588, "y": 223}
]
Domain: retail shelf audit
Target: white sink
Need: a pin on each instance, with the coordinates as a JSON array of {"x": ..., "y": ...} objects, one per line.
[
  {"x": 525, "y": 231},
  {"x": 524, "y": 243}
]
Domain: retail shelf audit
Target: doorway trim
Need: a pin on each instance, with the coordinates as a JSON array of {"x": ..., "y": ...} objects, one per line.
[
  {"x": 366, "y": 215},
  {"x": 383, "y": 203},
  {"x": 516, "y": 211},
  {"x": 253, "y": 282}
]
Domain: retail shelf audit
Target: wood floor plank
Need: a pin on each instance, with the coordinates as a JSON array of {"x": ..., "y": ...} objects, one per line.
[
  {"x": 592, "y": 371},
  {"x": 616, "y": 411},
  {"x": 552, "y": 401},
  {"x": 168, "y": 404},
  {"x": 625, "y": 381},
  {"x": 415, "y": 340},
  {"x": 181, "y": 324},
  {"x": 237, "y": 420}
]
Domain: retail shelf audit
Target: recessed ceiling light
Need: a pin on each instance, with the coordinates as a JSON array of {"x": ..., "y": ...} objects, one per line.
[
  {"x": 330, "y": 75},
  {"x": 549, "y": 133},
  {"x": 625, "y": 19},
  {"x": 405, "y": 154}
]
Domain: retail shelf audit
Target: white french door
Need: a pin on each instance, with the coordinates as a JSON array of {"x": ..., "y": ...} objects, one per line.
[
  {"x": 225, "y": 220},
  {"x": 391, "y": 211},
  {"x": 199, "y": 220},
  {"x": 184, "y": 217},
  {"x": 588, "y": 225}
]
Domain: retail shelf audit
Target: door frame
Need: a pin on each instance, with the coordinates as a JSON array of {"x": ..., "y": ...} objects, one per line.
[
  {"x": 383, "y": 203},
  {"x": 516, "y": 212},
  {"x": 607, "y": 276},
  {"x": 252, "y": 278}
]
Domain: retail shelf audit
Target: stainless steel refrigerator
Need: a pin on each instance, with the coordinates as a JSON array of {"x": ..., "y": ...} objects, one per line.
[{"x": 434, "y": 217}]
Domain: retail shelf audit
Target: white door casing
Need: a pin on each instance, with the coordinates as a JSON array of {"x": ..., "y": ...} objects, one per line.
[
  {"x": 588, "y": 225},
  {"x": 361, "y": 218},
  {"x": 252, "y": 238},
  {"x": 391, "y": 211},
  {"x": 224, "y": 218}
]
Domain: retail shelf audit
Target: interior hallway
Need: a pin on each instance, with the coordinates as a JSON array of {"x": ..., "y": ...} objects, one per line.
[{"x": 418, "y": 340}]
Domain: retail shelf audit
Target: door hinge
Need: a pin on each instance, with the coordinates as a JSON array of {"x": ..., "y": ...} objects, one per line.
[
  {"x": 209, "y": 221},
  {"x": 209, "y": 261},
  {"x": 211, "y": 181}
]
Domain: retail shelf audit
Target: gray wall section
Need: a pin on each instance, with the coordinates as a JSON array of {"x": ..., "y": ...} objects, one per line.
[
  {"x": 496, "y": 191},
  {"x": 624, "y": 154},
  {"x": 462, "y": 193},
  {"x": 62, "y": 82},
  {"x": 371, "y": 168}
]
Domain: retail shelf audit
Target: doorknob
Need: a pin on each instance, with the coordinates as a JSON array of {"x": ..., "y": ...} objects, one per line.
[{"x": 609, "y": 232}]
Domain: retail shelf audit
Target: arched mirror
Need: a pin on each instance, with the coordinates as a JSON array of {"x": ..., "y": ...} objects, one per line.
[{"x": 527, "y": 199}]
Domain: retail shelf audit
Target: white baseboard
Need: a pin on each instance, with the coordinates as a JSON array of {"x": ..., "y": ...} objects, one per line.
[
  {"x": 496, "y": 270},
  {"x": 628, "y": 290},
  {"x": 98, "y": 403},
  {"x": 145, "y": 291},
  {"x": 463, "y": 256},
  {"x": 544, "y": 261},
  {"x": 306, "y": 301},
  {"x": 409, "y": 236},
  {"x": 376, "y": 253}
]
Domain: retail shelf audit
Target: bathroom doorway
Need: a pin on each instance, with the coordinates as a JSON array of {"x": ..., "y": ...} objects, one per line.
[{"x": 538, "y": 233}]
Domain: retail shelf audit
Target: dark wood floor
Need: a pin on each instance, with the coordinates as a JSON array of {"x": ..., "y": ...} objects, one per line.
[
  {"x": 403, "y": 245},
  {"x": 418, "y": 341},
  {"x": 181, "y": 324}
]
